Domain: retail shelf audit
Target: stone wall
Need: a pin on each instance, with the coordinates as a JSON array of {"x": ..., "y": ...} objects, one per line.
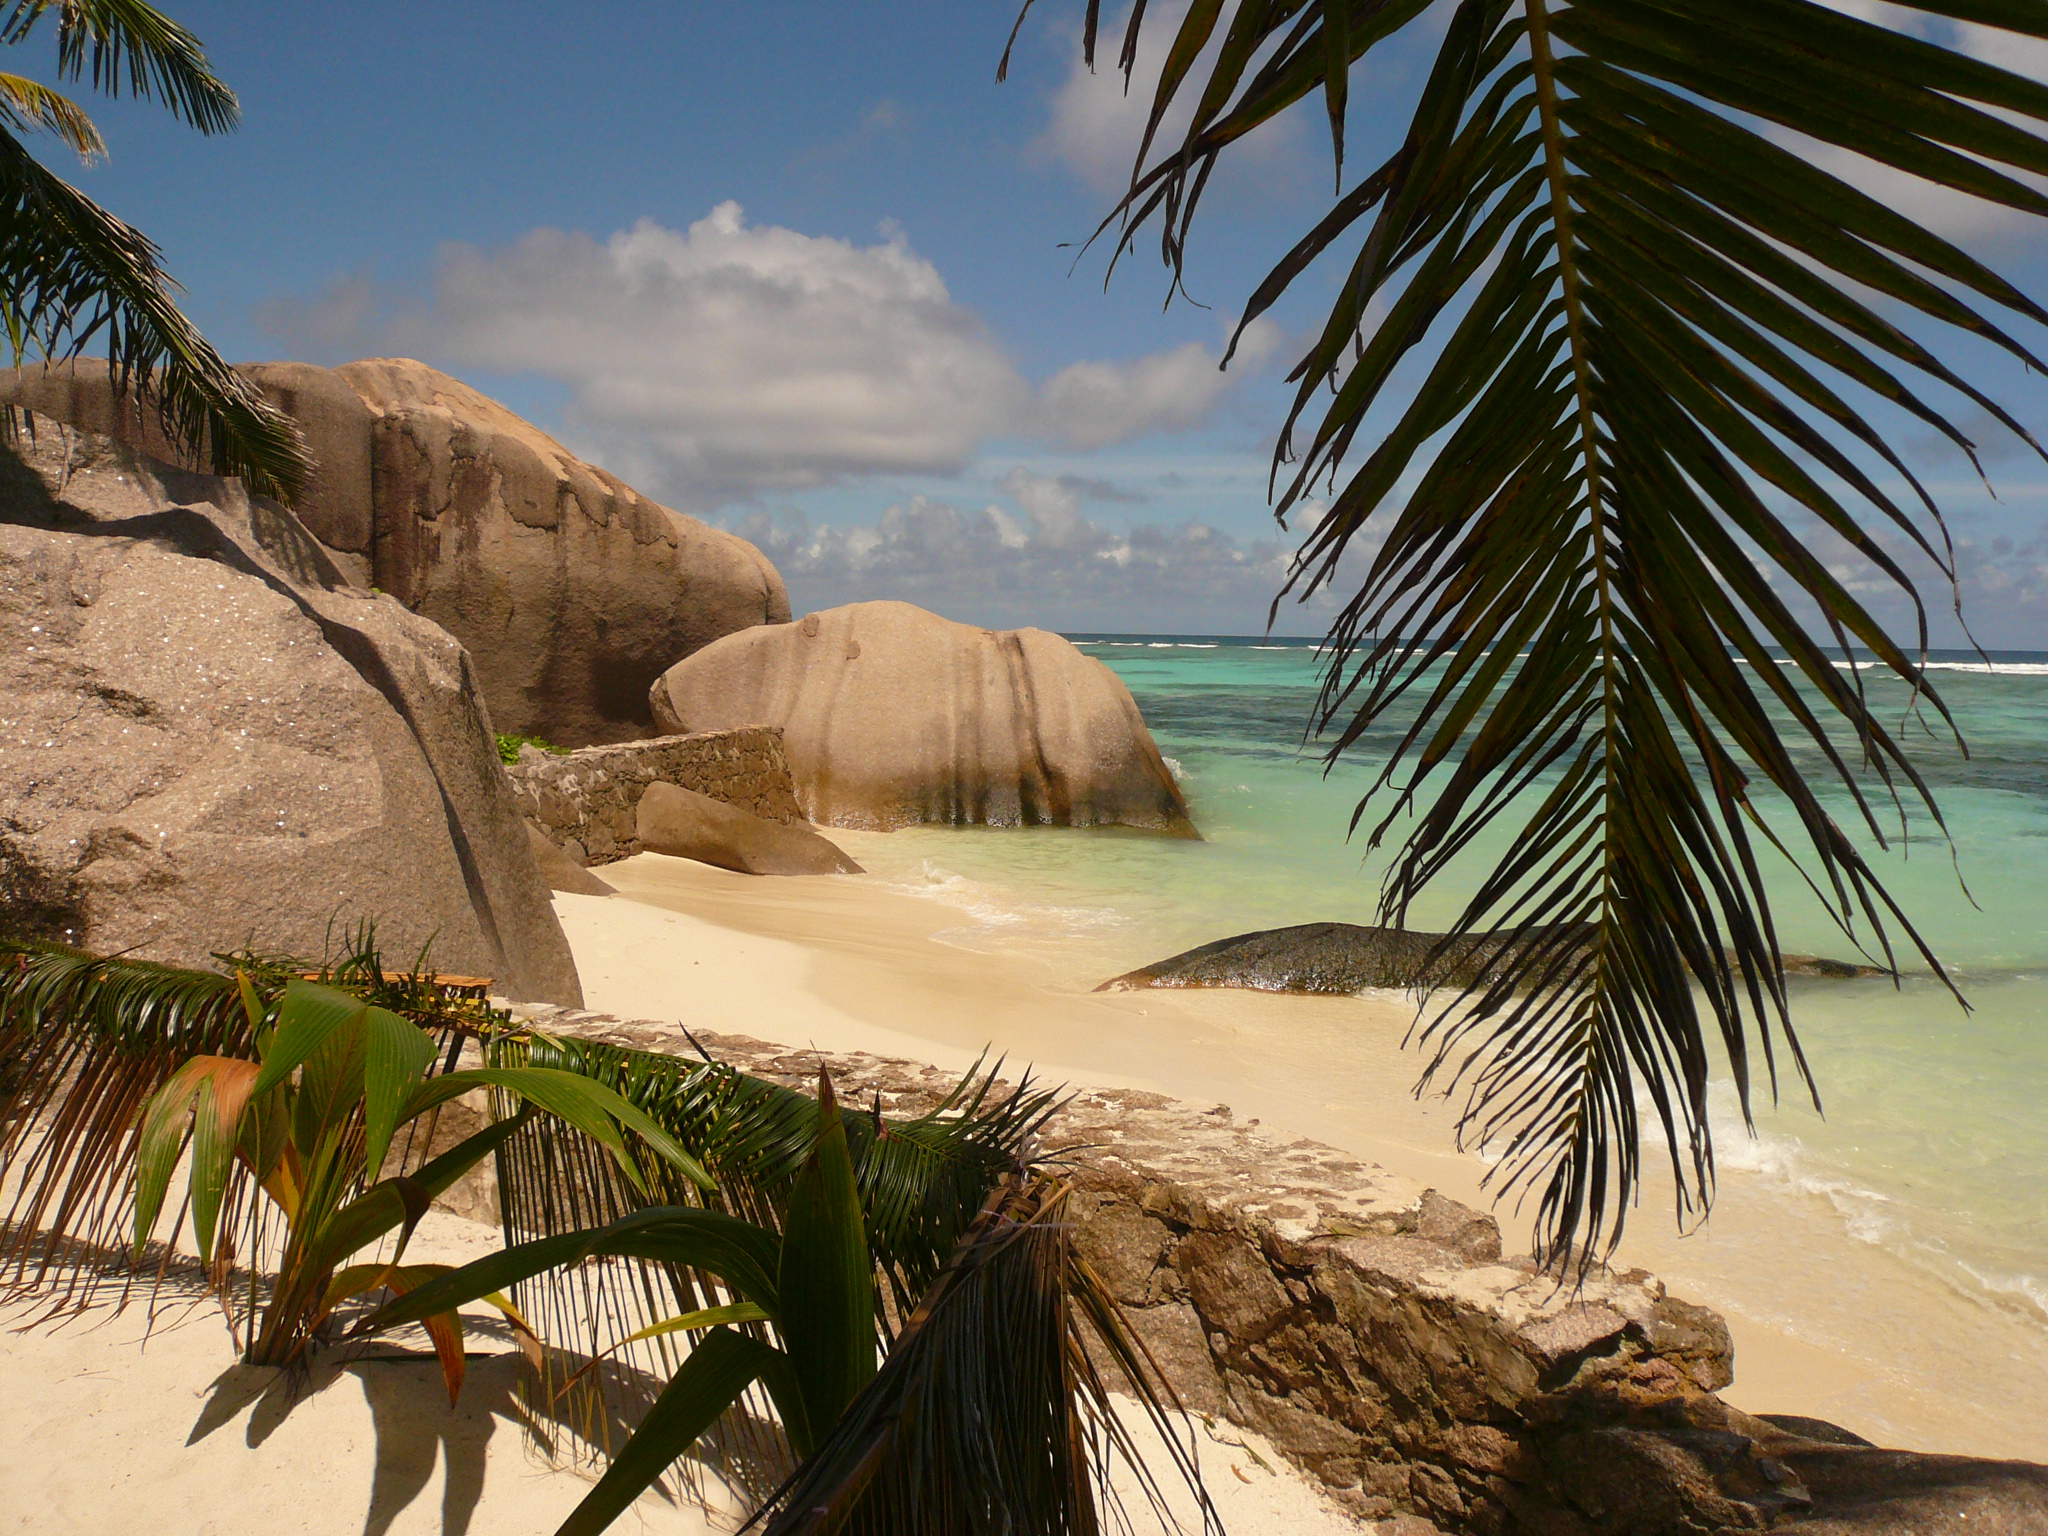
[
  {"x": 1368, "y": 1327},
  {"x": 584, "y": 801}
]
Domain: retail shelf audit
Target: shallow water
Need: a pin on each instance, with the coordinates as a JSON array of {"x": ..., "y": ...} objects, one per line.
[{"x": 1908, "y": 1228}]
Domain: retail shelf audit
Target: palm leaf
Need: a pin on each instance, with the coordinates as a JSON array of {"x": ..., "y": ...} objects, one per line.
[
  {"x": 72, "y": 276},
  {"x": 1654, "y": 329},
  {"x": 991, "y": 1413},
  {"x": 132, "y": 45},
  {"x": 84, "y": 1043},
  {"x": 922, "y": 1181},
  {"x": 29, "y": 104}
]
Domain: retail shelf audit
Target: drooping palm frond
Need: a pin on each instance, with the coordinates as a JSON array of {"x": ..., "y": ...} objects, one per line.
[
  {"x": 991, "y": 1412},
  {"x": 130, "y": 44},
  {"x": 1657, "y": 330},
  {"x": 922, "y": 1181},
  {"x": 72, "y": 276},
  {"x": 28, "y": 105},
  {"x": 84, "y": 1042}
]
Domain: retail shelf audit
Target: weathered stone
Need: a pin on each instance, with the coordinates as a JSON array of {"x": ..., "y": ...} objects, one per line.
[
  {"x": 1347, "y": 958},
  {"x": 209, "y": 739},
  {"x": 893, "y": 716},
  {"x": 1232, "y": 1286},
  {"x": 560, "y": 872},
  {"x": 687, "y": 825},
  {"x": 1128, "y": 1250},
  {"x": 586, "y": 802},
  {"x": 570, "y": 589}
]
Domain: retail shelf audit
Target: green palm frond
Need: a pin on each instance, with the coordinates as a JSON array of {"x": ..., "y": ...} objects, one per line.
[
  {"x": 992, "y": 1411},
  {"x": 29, "y": 104},
  {"x": 127, "y": 44},
  {"x": 84, "y": 1043},
  {"x": 1654, "y": 328},
  {"x": 73, "y": 277},
  {"x": 922, "y": 1181}
]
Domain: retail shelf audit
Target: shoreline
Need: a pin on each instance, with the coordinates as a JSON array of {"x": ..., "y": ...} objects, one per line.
[{"x": 838, "y": 964}]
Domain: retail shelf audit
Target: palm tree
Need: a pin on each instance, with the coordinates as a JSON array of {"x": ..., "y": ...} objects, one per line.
[
  {"x": 1653, "y": 325},
  {"x": 72, "y": 275}
]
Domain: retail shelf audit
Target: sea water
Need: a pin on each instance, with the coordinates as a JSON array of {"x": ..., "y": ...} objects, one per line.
[{"x": 1907, "y": 1225}]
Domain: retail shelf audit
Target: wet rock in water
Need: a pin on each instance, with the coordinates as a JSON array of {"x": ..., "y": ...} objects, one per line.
[
  {"x": 208, "y": 738},
  {"x": 1338, "y": 958},
  {"x": 1346, "y": 958},
  {"x": 892, "y": 716},
  {"x": 686, "y": 825}
]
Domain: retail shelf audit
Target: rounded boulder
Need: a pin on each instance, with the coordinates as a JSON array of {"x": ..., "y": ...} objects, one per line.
[{"x": 893, "y": 716}]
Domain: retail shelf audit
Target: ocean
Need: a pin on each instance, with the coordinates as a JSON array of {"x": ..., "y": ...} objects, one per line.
[{"x": 1906, "y": 1228}]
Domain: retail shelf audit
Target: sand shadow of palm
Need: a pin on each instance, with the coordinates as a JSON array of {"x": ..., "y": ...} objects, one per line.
[{"x": 417, "y": 1430}]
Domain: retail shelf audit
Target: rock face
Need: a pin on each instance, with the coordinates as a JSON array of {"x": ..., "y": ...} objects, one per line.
[
  {"x": 1375, "y": 1333},
  {"x": 1345, "y": 958},
  {"x": 586, "y": 801},
  {"x": 559, "y": 872},
  {"x": 570, "y": 589},
  {"x": 687, "y": 825},
  {"x": 893, "y": 716},
  {"x": 209, "y": 739}
]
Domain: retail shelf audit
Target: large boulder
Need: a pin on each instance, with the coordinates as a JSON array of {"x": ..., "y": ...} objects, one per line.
[
  {"x": 570, "y": 589},
  {"x": 892, "y": 716},
  {"x": 686, "y": 825},
  {"x": 210, "y": 739}
]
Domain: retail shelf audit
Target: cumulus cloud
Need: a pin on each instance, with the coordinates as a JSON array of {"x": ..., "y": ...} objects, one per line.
[
  {"x": 1039, "y": 559},
  {"x": 731, "y": 359}
]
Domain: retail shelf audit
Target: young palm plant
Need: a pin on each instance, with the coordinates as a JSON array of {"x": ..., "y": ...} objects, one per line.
[
  {"x": 988, "y": 1412},
  {"x": 112, "y": 1070},
  {"x": 310, "y": 1120},
  {"x": 1656, "y": 326},
  {"x": 72, "y": 275}
]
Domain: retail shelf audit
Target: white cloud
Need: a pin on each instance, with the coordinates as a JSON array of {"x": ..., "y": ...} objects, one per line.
[
  {"x": 1045, "y": 562},
  {"x": 727, "y": 360},
  {"x": 1091, "y": 405},
  {"x": 739, "y": 356}
]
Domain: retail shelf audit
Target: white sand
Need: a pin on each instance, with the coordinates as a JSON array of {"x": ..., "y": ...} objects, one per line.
[
  {"x": 840, "y": 962},
  {"x": 102, "y": 1432},
  {"x": 113, "y": 1425}
]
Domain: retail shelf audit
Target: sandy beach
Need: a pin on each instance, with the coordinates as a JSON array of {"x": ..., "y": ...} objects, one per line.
[
  {"x": 124, "y": 1421},
  {"x": 839, "y": 963}
]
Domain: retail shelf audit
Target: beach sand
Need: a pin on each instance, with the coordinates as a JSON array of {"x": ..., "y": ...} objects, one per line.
[
  {"x": 843, "y": 964},
  {"x": 102, "y": 1431}
]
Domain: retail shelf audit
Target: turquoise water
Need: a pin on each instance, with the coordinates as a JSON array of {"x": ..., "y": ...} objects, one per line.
[{"x": 1932, "y": 1157}]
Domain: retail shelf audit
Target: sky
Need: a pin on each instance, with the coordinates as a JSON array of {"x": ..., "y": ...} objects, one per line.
[{"x": 810, "y": 273}]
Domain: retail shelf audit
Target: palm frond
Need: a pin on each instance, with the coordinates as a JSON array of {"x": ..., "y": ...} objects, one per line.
[
  {"x": 127, "y": 44},
  {"x": 73, "y": 276},
  {"x": 922, "y": 1181},
  {"x": 29, "y": 104},
  {"x": 1655, "y": 330},
  {"x": 84, "y": 1043},
  {"x": 87, "y": 1040},
  {"x": 991, "y": 1412}
]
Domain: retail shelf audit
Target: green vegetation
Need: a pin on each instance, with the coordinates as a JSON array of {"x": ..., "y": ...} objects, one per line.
[
  {"x": 1651, "y": 326},
  {"x": 904, "y": 1292},
  {"x": 509, "y": 745},
  {"x": 73, "y": 275}
]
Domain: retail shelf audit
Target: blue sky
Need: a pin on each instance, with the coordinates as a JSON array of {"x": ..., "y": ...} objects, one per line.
[{"x": 798, "y": 269}]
